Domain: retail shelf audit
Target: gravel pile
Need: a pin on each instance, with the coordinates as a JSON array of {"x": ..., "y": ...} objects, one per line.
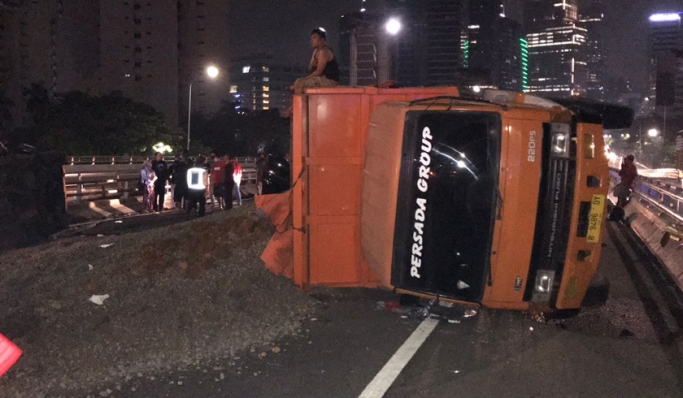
[{"x": 179, "y": 296}]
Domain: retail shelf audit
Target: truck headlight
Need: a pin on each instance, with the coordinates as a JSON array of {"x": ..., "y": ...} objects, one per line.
[
  {"x": 560, "y": 143},
  {"x": 561, "y": 138},
  {"x": 544, "y": 281}
]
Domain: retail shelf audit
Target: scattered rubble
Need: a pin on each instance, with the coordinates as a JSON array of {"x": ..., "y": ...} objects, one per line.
[
  {"x": 98, "y": 299},
  {"x": 186, "y": 294},
  {"x": 423, "y": 308}
]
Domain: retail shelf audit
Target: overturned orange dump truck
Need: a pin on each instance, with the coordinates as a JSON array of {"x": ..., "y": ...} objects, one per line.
[{"x": 497, "y": 200}]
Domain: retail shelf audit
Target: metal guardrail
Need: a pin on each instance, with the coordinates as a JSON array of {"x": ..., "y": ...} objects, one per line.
[
  {"x": 87, "y": 182},
  {"x": 95, "y": 160},
  {"x": 663, "y": 198}
]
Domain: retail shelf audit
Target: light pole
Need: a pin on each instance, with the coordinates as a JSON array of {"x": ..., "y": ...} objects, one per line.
[{"x": 212, "y": 72}]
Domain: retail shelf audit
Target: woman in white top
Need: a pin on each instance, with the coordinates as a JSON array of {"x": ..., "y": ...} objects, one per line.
[{"x": 148, "y": 177}]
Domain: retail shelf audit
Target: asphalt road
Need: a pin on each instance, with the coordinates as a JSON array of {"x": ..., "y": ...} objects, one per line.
[{"x": 629, "y": 347}]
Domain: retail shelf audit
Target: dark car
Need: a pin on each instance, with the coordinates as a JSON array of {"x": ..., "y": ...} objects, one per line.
[{"x": 277, "y": 178}]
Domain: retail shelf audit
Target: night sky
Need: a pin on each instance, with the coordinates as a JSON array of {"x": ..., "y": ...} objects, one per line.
[{"x": 282, "y": 29}]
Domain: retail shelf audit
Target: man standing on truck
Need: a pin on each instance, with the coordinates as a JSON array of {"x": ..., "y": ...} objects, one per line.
[
  {"x": 323, "y": 69},
  {"x": 628, "y": 174}
]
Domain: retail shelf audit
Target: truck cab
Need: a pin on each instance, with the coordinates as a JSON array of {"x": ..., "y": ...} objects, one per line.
[{"x": 497, "y": 200}]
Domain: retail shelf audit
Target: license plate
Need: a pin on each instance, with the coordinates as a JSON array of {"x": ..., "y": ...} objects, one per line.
[{"x": 595, "y": 220}]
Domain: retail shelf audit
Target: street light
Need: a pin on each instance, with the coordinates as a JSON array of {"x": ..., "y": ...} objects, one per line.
[
  {"x": 393, "y": 26},
  {"x": 652, "y": 133},
  {"x": 212, "y": 72}
]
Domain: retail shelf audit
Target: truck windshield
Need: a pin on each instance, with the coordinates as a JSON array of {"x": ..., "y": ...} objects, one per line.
[{"x": 448, "y": 198}]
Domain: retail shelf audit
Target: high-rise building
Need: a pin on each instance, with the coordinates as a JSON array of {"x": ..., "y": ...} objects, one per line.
[
  {"x": 138, "y": 54},
  {"x": 665, "y": 50},
  {"x": 202, "y": 41},
  {"x": 50, "y": 43},
  {"x": 557, "y": 65},
  {"x": 446, "y": 29},
  {"x": 495, "y": 51},
  {"x": 430, "y": 48},
  {"x": 593, "y": 20},
  {"x": 146, "y": 50},
  {"x": 259, "y": 83}
]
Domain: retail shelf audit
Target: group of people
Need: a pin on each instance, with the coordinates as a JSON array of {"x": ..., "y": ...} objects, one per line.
[{"x": 192, "y": 182}]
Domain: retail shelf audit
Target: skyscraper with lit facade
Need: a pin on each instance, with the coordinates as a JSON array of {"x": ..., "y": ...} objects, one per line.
[
  {"x": 665, "y": 54},
  {"x": 556, "y": 43},
  {"x": 495, "y": 51},
  {"x": 430, "y": 49},
  {"x": 593, "y": 20},
  {"x": 260, "y": 83}
]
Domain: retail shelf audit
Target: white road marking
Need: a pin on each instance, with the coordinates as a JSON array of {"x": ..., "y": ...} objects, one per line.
[{"x": 386, "y": 377}]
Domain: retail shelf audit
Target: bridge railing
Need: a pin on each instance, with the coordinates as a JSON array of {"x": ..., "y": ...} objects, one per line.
[
  {"x": 663, "y": 198},
  {"x": 94, "y": 181},
  {"x": 101, "y": 160}
]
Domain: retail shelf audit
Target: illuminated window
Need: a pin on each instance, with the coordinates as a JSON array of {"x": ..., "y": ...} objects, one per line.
[
  {"x": 265, "y": 108},
  {"x": 266, "y": 88},
  {"x": 233, "y": 89},
  {"x": 266, "y": 102},
  {"x": 266, "y": 95},
  {"x": 266, "y": 79},
  {"x": 265, "y": 69},
  {"x": 246, "y": 69}
]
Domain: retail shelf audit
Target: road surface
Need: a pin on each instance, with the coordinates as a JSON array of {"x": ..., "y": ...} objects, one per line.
[{"x": 632, "y": 346}]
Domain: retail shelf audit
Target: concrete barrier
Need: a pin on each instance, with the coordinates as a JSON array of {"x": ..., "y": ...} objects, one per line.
[{"x": 645, "y": 221}]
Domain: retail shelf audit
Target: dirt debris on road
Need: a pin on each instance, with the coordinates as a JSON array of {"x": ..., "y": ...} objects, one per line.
[{"x": 179, "y": 296}]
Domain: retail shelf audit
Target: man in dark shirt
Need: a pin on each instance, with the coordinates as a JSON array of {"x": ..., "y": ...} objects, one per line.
[
  {"x": 161, "y": 170},
  {"x": 323, "y": 69},
  {"x": 261, "y": 170},
  {"x": 628, "y": 174},
  {"x": 180, "y": 178},
  {"x": 228, "y": 182}
]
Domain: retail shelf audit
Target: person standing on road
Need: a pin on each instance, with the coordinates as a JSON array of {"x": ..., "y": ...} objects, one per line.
[
  {"x": 180, "y": 179},
  {"x": 261, "y": 168},
  {"x": 218, "y": 182},
  {"x": 197, "y": 183},
  {"x": 628, "y": 174},
  {"x": 237, "y": 177},
  {"x": 161, "y": 170},
  {"x": 147, "y": 177},
  {"x": 229, "y": 182}
]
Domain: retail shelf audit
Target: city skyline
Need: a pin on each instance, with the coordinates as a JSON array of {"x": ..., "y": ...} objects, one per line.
[
  {"x": 256, "y": 28},
  {"x": 139, "y": 49}
]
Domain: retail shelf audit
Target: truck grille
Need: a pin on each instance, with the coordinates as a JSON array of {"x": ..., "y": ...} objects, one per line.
[{"x": 553, "y": 222}]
